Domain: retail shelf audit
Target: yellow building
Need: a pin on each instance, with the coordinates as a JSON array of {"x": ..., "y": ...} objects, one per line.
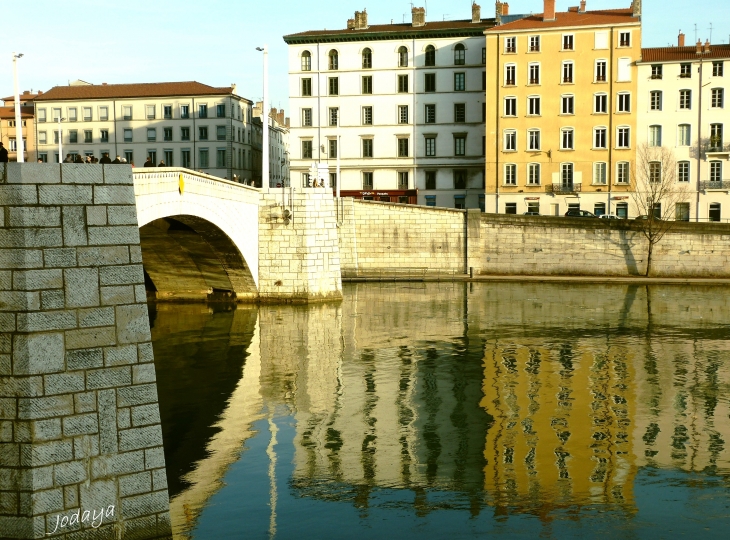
[{"x": 561, "y": 110}]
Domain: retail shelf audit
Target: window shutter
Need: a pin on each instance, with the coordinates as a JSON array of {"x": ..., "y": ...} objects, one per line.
[
  {"x": 601, "y": 40},
  {"x": 624, "y": 69}
]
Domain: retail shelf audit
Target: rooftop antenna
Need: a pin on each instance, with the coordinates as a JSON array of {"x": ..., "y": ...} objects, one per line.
[
  {"x": 710, "y": 32},
  {"x": 695, "y": 32}
]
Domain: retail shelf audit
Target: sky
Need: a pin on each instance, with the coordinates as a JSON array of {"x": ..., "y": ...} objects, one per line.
[{"x": 214, "y": 41}]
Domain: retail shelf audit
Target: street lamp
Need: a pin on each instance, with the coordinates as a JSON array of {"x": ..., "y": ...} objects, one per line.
[
  {"x": 701, "y": 51},
  {"x": 265, "y": 118},
  {"x": 18, "y": 122},
  {"x": 60, "y": 140}
]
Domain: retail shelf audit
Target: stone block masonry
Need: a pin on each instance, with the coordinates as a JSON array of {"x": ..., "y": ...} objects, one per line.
[{"x": 79, "y": 420}]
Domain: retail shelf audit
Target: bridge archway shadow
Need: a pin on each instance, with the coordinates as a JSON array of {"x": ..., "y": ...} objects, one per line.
[{"x": 187, "y": 258}]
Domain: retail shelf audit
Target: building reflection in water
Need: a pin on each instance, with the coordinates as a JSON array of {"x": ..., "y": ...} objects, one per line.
[{"x": 516, "y": 398}]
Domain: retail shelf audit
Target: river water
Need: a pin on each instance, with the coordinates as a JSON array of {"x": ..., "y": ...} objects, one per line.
[{"x": 450, "y": 410}]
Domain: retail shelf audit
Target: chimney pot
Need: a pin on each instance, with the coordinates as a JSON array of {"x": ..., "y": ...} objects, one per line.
[
  {"x": 418, "y": 17},
  {"x": 707, "y": 46},
  {"x": 549, "y": 10},
  {"x": 476, "y": 12},
  {"x": 505, "y": 9},
  {"x": 699, "y": 46},
  {"x": 680, "y": 39},
  {"x": 582, "y": 6}
]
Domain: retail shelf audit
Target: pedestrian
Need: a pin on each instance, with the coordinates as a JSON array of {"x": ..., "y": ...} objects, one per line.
[
  {"x": 149, "y": 162},
  {"x": 105, "y": 159},
  {"x": 94, "y": 159},
  {"x": 3, "y": 154},
  {"x": 88, "y": 160},
  {"x": 162, "y": 163},
  {"x": 117, "y": 161},
  {"x": 78, "y": 159},
  {"x": 39, "y": 160},
  {"x": 124, "y": 160},
  {"x": 68, "y": 159}
]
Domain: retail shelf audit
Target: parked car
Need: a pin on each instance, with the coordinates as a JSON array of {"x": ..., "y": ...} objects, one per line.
[
  {"x": 532, "y": 213},
  {"x": 644, "y": 216},
  {"x": 608, "y": 216},
  {"x": 576, "y": 212}
]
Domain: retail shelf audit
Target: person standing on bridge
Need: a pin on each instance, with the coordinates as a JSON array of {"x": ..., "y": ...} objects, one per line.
[
  {"x": 149, "y": 162},
  {"x": 116, "y": 161},
  {"x": 105, "y": 159},
  {"x": 3, "y": 154},
  {"x": 68, "y": 159},
  {"x": 162, "y": 163}
]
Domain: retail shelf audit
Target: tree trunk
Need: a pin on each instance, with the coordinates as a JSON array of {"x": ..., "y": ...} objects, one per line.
[{"x": 648, "y": 258}]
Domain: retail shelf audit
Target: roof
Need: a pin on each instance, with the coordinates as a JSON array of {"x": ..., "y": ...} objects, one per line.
[
  {"x": 138, "y": 90},
  {"x": 393, "y": 31},
  {"x": 25, "y": 96},
  {"x": 683, "y": 54},
  {"x": 9, "y": 112},
  {"x": 570, "y": 19}
]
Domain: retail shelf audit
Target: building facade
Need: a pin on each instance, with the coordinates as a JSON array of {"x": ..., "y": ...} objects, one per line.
[
  {"x": 278, "y": 144},
  {"x": 183, "y": 124},
  {"x": 561, "y": 110},
  {"x": 8, "y": 133},
  {"x": 682, "y": 107},
  {"x": 401, "y": 105}
]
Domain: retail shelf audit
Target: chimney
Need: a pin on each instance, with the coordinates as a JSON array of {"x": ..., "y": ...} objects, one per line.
[
  {"x": 548, "y": 13},
  {"x": 699, "y": 47},
  {"x": 498, "y": 7},
  {"x": 636, "y": 8},
  {"x": 476, "y": 13},
  {"x": 418, "y": 17},
  {"x": 582, "y": 8},
  {"x": 361, "y": 19},
  {"x": 707, "y": 46},
  {"x": 505, "y": 8},
  {"x": 680, "y": 39},
  {"x": 350, "y": 24}
]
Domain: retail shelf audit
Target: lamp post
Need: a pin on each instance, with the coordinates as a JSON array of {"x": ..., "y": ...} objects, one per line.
[
  {"x": 19, "y": 148},
  {"x": 265, "y": 118},
  {"x": 60, "y": 140},
  {"x": 701, "y": 51}
]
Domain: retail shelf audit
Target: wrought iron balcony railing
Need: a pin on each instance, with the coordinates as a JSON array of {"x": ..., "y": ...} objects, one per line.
[
  {"x": 562, "y": 188},
  {"x": 715, "y": 184}
]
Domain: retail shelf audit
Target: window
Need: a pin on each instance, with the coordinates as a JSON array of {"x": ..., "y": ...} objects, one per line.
[
  {"x": 460, "y": 145},
  {"x": 566, "y": 139},
  {"x": 622, "y": 210},
  {"x": 567, "y": 104},
  {"x": 655, "y": 100},
  {"x": 599, "y": 208},
  {"x": 430, "y": 114},
  {"x": 685, "y": 71},
  {"x": 203, "y": 133},
  {"x": 567, "y": 72},
  {"x": 533, "y": 174},
  {"x": 184, "y": 134},
  {"x": 127, "y": 135},
  {"x": 510, "y": 106},
  {"x": 510, "y": 176},
  {"x": 599, "y": 173},
  {"x": 533, "y": 105},
  {"x": 534, "y": 43},
  {"x": 655, "y": 135},
  {"x": 334, "y": 116},
  {"x": 168, "y": 158},
  {"x": 402, "y": 114},
  {"x": 624, "y": 70},
  {"x": 333, "y": 60},
  {"x": 716, "y": 142},
  {"x": 402, "y": 57},
  {"x": 684, "y": 137},
  {"x": 600, "y": 40},
  {"x": 334, "y": 86},
  {"x": 624, "y": 39},
  {"x": 459, "y": 82},
  {"x": 43, "y": 156},
  {"x": 716, "y": 171},
  {"x": 484, "y": 112},
  {"x": 715, "y": 214},
  {"x": 367, "y": 180},
  {"x": 73, "y": 136},
  {"x": 104, "y": 135},
  {"x": 220, "y": 133},
  {"x": 655, "y": 172},
  {"x": 510, "y": 208},
  {"x": 430, "y": 82},
  {"x": 459, "y": 112},
  {"x": 717, "y": 69},
  {"x": 718, "y": 98},
  {"x": 685, "y": 99},
  {"x": 402, "y": 83},
  {"x": 568, "y": 42},
  {"x": 203, "y": 161},
  {"x": 510, "y": 45},
  {"x": 459, "y": 180},
  {"x": 87, "y": 114},
  {"x": 41, "y": 115},
  {"x": 149, "y": 112},
  {"x": 367, "y": 85},
  {"x": 599, "y": 138},
  {"x": 533, "y": 139},
  {"x": 367, "y": 58},
  {"x": 306, "y": 149},
  {"x": 151, "y": 134},
  {"x": 103, "y": 114},
  {"x": 55, "y": 137},
  {"x": 459, "y": 55},
  {"x": 430, "y": 179},
  {"x": 534, "y": 71},
  {"x": 42, "y": 137},
  {"x": 430, "y": 146},
  {"x": 306, "y": 117},
  {"x": 403, "y": 147},
  {"x": 600, "y": 103},
  {"x": 600, "y": 71},
  {"x": 57, "y": 114},
  {"x": 510, "y": 140},
  {"x": 402, "y": 179},
  {"x": 367, "y": 148},
  {"x": 306, "y": 61},
  {"x": 367, "y": 116},
  {"x": 623, "y": 137},
  {"x": 566, "y": 174},
  {"x": 203, "y": 111},
  {"x": 681, "y": 211},
  {"x": 623, "y": 102},
  {"x": 72, "y": 114},
  {"x": 430, "y": 55},
  {"x": 510, "y": 75},
  {"x": 184, "y": 111},
  {"x": 683, "y": 171},
  {"x": 306, "y": 87},
  {"x": 622, "y": 172},
  {"x": 656, "y": 71},
  {"x": 88, "y": 137},
  {"x": 332, "y": 148},
  {"x": 484, "y": 80}
]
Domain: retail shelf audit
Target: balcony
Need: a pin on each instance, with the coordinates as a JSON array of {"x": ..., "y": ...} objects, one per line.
[
  {"x": 712, "y": 185},
  {"x": 561, "y": 189}
]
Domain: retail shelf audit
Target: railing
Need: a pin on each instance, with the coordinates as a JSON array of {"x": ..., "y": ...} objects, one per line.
[
  {"x": 568, "y": 79},
  {"x": 562, "y": 188},
  {"x": 715, "y": 184}
]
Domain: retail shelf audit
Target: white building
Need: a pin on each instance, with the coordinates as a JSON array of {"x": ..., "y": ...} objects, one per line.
[
  {"x": 675, "y": 98},
  {"x": 278, "y": 145},
  {"x": 183, "y": 124},
  {"x": 406, "y": 101}
]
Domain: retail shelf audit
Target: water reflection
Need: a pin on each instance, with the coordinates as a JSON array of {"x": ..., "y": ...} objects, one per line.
[{"x": 512, "y": 405}]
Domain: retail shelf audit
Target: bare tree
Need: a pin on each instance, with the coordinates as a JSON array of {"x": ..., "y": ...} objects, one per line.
[{"x": 656, "y": 194}]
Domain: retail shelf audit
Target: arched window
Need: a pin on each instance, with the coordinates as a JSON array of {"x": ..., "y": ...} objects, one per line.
[
  {"x": 459, "y": 55},
  {"x": 430, "y": 55},
  {"x": 402, "y": 57},
  {"x": 367, "y": 58},
  {"x": 306, "y": 61},
  {"x": 334, "y": 59}
]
